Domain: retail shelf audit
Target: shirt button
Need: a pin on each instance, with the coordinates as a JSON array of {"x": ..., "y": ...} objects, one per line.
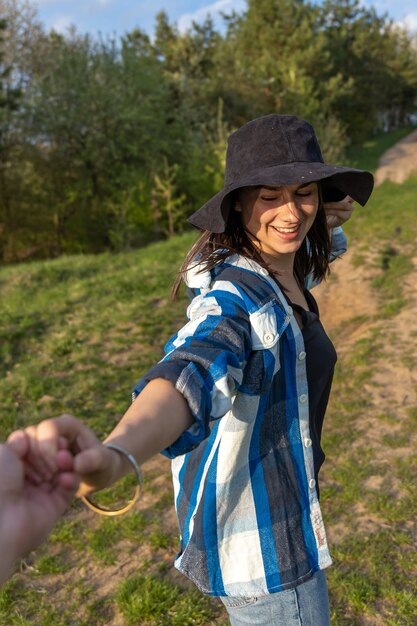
[
  {"x": 307, "y": 442},
  {"x": 264, "y": 271},
  {"x": 289, "y": 310},
  {"x": 302, "y": 356},
  {"x": 268, "y": 338},
  {"x": 303, "y": 398},
  {"x": 312, "y": 483}
]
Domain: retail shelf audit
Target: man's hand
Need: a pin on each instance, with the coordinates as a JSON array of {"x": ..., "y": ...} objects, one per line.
[
  {"x": 96, "y": 465},
  {"x": 29, "y": 507}
]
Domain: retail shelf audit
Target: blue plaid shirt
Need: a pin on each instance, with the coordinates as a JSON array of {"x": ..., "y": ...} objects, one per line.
[{"x": 245, "y": 493}]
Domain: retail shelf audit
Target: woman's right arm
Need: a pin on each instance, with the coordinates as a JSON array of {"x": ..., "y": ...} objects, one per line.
[
  {"x": 175, "y": 401},
  {"x": 152, "y": 422}
]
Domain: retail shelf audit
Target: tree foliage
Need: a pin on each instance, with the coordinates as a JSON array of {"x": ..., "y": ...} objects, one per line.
[{"x": 106, "y": 143}]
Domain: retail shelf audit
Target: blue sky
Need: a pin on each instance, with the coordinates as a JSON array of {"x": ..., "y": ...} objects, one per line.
[{"x": 119, "y": 16}]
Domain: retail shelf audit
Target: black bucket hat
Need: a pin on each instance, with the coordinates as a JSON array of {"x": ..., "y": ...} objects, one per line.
[{"x": 278, "y": 150}]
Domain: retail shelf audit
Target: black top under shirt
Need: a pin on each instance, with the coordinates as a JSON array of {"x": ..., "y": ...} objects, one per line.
[{"x": 320, "y": 362}]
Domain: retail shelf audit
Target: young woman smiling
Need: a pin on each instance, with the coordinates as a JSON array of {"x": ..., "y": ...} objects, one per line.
[{"x": 239, "y": 399}]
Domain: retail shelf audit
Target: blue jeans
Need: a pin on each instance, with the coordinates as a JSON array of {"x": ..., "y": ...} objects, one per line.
[{"x": 306, "y": 605}]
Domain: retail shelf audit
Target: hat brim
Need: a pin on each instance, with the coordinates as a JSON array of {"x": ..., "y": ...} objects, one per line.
[{"x": 358, "y": 184}]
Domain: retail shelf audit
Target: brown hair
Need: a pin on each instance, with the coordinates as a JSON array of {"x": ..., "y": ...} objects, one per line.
[{"x": 211, "y": 249}]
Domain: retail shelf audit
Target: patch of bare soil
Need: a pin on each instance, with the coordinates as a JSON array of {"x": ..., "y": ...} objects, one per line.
[
  {"x": 346, "y": 300},
  {"x": 348, "y": 295},
  {"x": 399, "y": 162}
]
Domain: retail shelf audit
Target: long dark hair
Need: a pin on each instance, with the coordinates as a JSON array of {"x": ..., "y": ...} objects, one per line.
[{"x": 211, "y": 249}]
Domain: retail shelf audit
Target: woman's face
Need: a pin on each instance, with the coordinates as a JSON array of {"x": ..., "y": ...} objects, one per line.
[{"x": 278, "y": 218}]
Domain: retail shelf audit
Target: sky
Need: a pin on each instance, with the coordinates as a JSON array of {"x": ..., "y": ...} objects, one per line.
[{"x": 120, "y": 16}]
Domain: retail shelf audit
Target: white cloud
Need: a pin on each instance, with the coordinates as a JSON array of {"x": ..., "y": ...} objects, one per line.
[
  {"x": 62, "y": 24},
  {"x": 214, "y": 9},
  {"x": 410, "y": 22}
]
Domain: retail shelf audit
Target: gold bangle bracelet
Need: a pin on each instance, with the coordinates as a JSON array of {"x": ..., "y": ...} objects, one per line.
[{"x": 103, "y": 511}]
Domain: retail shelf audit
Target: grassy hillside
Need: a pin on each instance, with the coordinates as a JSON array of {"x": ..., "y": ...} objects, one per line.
[{"x": 76, "y": 334}]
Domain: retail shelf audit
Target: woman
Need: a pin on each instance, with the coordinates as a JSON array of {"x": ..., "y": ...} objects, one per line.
[{"x": 239, "y": 399}]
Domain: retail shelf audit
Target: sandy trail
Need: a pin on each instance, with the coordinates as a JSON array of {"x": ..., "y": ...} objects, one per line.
[{"x": 399, "y": 162}]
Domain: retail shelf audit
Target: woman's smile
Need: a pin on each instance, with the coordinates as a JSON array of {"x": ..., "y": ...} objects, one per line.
[
  {"x": 278, "y": 218},
  {"x": 288, "y": 232}
]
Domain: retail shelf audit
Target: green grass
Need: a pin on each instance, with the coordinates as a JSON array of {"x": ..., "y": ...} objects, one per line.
[
  {"x": 150, "y": 600},
  {"x": 372, "y": 568},
  {"x": 77, "y": 333},
  {"x": 388, "y": 218},
  {"x": 49, "y": 564}
]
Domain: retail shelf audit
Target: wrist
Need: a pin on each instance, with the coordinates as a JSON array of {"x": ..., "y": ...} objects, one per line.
[
  {"x": 119, "y": 468},
  {"x": 114, "y": 468},
  {"x": 120, "y": 465}
]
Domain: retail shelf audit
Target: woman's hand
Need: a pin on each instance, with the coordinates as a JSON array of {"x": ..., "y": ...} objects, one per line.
[
  {"x": 338, "y": 213},
  {"x": 96, "y": 465}
]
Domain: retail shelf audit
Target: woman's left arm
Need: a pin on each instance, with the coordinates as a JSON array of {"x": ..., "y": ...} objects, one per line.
[{"x": 337, "y": 213}]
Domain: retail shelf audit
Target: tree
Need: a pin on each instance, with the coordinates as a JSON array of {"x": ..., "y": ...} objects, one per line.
[
  {"x": 376, "y": 60},
  {"x": 11, "y": 93},
  {"x": 169, "y": 208},
  {"x": 102, "y": 115},
  {"x": 275, "y": 56},
  {"x": 104, "y": 142}
]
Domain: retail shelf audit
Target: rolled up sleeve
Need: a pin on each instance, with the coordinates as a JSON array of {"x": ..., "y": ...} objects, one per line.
[
  {"x": 338, "y": 247},
  {"x": 339, "y": 243},
  {"x": 204, "y": 361}
]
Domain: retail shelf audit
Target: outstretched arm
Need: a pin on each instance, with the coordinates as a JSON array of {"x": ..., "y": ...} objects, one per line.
[
  {"x": 148, "y": 426},
  {"x": 193, "y": 384}
]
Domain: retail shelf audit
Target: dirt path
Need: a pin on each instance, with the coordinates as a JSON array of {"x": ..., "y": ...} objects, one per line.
[
  {"x": 349, "y": 309},
  {"x": 397, "y": 163}
]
